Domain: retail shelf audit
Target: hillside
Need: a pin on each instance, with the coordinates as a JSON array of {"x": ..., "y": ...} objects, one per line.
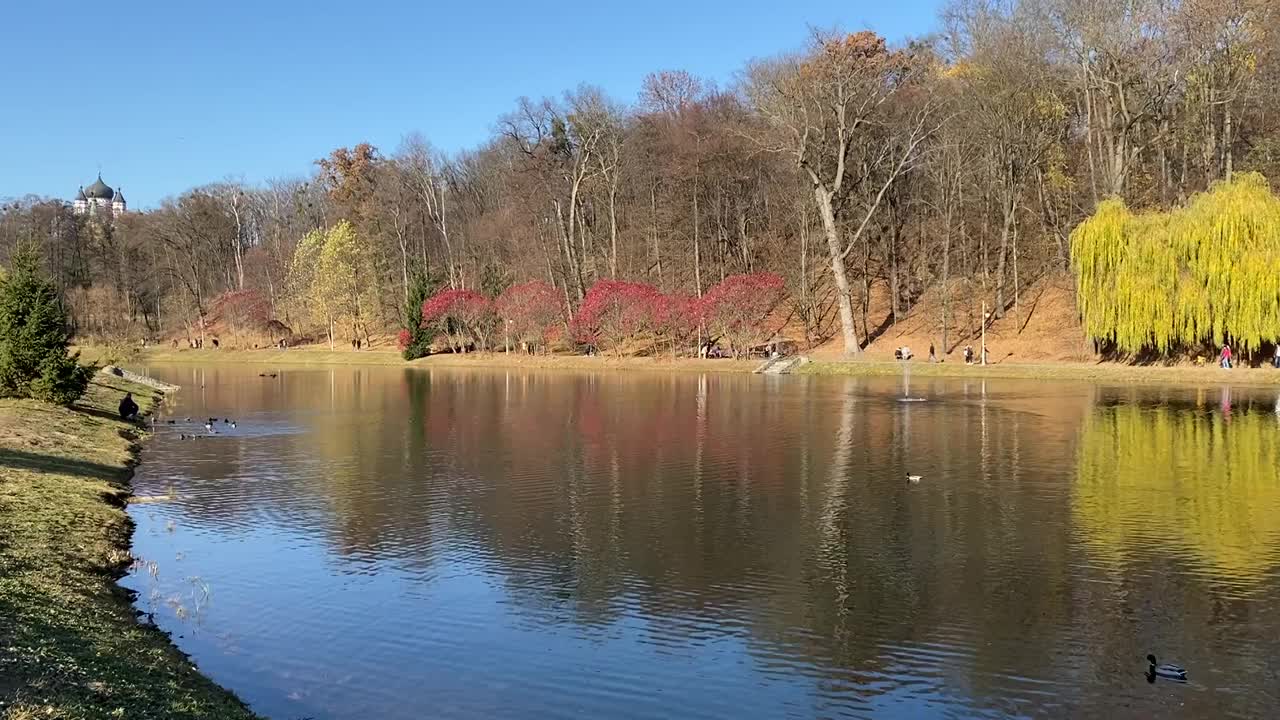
[{"x": 1045, "y": 326}]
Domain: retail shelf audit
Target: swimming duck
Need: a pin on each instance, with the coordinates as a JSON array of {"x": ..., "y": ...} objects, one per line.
[
  {"x": 914, "y": 478},
  {"x": 1170, "y": 672},
  {"x": 233, "y": 424}
]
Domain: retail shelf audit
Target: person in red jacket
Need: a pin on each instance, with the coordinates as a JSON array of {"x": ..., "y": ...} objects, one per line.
[{"x": 1225, "y": 358}]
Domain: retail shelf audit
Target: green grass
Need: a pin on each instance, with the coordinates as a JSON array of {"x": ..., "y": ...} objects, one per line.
[
  {"x": 70, "y": 645},
  {"x": 1090, "y": 372}
]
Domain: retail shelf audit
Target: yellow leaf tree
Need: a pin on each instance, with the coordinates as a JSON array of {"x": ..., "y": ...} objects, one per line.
[{"x": 332, "y": 281}]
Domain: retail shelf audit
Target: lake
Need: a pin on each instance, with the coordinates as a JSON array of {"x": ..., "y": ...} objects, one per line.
[{"x": 452, "y": 543}]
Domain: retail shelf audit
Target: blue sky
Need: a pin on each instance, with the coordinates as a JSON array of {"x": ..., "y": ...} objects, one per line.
[{"x": 165, "y": 96}]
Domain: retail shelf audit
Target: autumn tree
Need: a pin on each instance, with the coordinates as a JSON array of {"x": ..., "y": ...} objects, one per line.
[
  {"x": 529, "y": 311},
  {"x": 827, "y": 110},
  {"x": 615, "y": 312},
  {"x": 738, "y": 309},
  {"x": 463, "y": 316}
]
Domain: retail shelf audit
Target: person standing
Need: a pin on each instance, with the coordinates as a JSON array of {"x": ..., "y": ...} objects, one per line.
[
  {"x": 1225, "y": 358},
  {"x": 933, "y": 355}
]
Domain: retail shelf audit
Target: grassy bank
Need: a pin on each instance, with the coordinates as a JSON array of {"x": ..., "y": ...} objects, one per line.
[
  {"x": 70, "y": 645},
  {"x": 320, "y": 355},
  {"x": 1095, "y": 372},
  {"x": 1092, "y": 372}
]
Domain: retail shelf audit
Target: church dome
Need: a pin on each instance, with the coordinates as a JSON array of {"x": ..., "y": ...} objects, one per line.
[
  {"x": 120, "y": 196},
  {"x": 99, "y": 190}
]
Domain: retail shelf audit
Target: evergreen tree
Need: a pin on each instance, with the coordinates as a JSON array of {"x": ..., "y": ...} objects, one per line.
[
  {"x": 415, "y": 338},
  {"x": 34, "y": 338}
]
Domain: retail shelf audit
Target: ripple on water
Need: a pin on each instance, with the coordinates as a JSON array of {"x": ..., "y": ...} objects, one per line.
[{"x": 396, "y": 544}]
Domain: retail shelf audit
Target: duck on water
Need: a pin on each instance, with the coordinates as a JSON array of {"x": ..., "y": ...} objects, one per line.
[{"x": 1166, "y": 671}]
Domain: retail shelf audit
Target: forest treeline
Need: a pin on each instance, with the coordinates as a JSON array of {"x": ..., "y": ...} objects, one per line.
[{"x": 850, "y": 168}]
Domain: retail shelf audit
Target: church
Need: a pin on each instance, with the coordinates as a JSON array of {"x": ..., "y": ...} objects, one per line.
[{"x": 99, "y": 199}]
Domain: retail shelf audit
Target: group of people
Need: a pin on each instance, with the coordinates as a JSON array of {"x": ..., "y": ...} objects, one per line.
[
  {"x": 904, "y": 353},
  {"x": 1225, "y": 358}
]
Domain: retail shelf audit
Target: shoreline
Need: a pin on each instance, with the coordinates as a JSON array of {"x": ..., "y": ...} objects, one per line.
[
  {"x": 1099, "y": 372},
  {"x": 73, "y": 644},
  {"x": 1102, "y": 372}
]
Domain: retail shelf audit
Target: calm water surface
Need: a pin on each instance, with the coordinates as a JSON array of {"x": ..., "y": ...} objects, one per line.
[{"x": 393, "y": 543}]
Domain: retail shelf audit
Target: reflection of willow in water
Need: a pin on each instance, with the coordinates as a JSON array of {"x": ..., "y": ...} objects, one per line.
[{"x": 1174, "y": 481}]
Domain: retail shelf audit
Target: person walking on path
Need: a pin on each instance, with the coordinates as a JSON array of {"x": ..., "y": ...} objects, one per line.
[{"x": 1225, "y": 358}]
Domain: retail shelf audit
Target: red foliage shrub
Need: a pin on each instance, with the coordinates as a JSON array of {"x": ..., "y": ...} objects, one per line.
[
  {"x": 676, "y": 317},
  {"x": 739, "y": 306},
  {"x": 461, "y": 315},
  {"x": 403, "y": 338},
  {"x": 531, "y": 310},
  {"x": 615, "y": 311}
]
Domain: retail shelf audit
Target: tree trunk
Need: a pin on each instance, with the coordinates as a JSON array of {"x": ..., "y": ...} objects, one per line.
[
  {"x": 1004, "y": 252},
  {"x": 843, "y": 298},
  {"x": 613, "y": 232},
  {"x": 697, "y": 247}
]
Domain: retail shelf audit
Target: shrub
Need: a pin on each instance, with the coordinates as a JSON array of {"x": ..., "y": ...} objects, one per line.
[
  {"x": 461, "y": 315},
  {"x": 738, "y": 308},
  {"x": 676, "y": 318},
  {"x": 34, "y": 357},
  {"x": 530, "y": 310},
  {"x": 615, "y": 311}
]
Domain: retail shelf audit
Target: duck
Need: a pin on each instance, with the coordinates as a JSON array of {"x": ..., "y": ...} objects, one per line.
[
  {"x": 208, "y": 427},
  {"x": 233, "y": 424},
  {"x": 1170, "y": 672},
  {"x": 914, "y": 478}
]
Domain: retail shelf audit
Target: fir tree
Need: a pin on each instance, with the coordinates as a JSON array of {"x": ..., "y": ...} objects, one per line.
[
  {"x": 34, "y": 338},
  {"x": 415, "y": 338}
]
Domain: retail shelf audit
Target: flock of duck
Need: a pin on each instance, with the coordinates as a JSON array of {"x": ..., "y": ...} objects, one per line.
[{"x": 210, "y": 427}]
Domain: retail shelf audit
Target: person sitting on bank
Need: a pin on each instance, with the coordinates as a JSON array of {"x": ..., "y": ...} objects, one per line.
[{"x": 128, "y": 408}]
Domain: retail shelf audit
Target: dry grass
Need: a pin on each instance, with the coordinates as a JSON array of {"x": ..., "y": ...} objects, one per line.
[{"x": 70, "y": 645}]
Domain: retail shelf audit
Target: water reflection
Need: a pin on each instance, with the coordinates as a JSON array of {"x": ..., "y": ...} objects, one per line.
[{"x": 509, "y": 544}]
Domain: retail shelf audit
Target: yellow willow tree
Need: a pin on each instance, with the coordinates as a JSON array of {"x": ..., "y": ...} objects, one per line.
[{"x": 1201, "y": 274}]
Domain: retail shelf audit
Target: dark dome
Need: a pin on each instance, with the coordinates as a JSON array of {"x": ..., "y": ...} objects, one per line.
[
  {"x": 99, "y": 190},
  {"x": 120, "y": 195}
]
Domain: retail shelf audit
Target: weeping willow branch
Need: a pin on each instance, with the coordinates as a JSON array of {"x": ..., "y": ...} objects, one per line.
[{"x": 1179, "y": 279}]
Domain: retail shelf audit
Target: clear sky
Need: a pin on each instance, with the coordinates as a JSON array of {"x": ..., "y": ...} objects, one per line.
[{"x": 163, "y": 96}]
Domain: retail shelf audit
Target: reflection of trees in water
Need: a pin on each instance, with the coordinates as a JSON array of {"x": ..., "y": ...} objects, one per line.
[
  {"x": 721, "y": 505},
  {"x": 1172, "y": 481},
  {"x": 696, "y": 500}
]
